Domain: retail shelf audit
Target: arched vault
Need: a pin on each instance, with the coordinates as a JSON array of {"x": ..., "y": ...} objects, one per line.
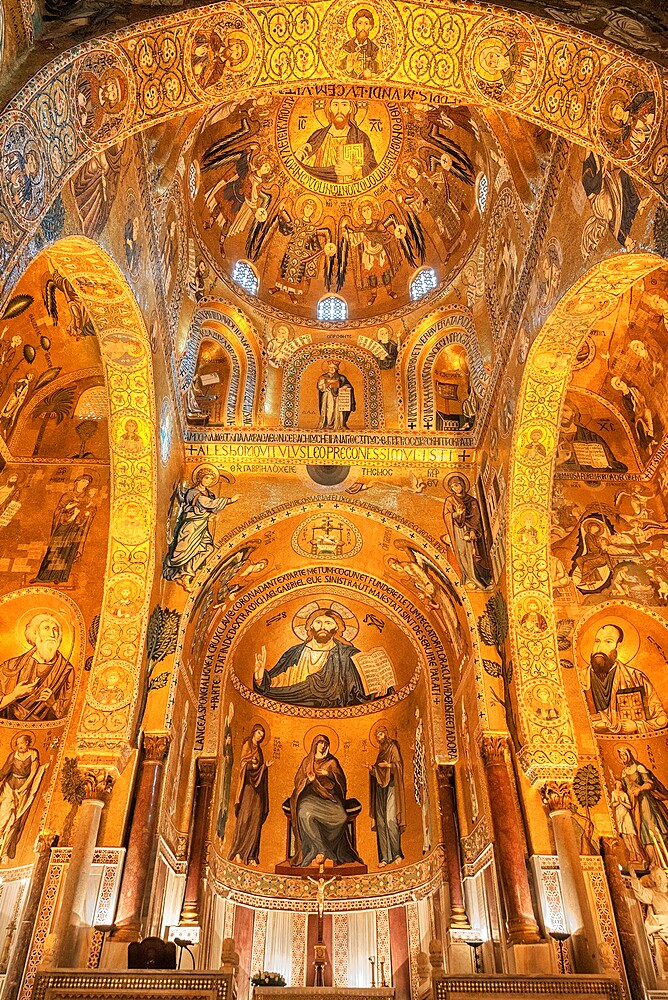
[{"x": 550, "y": 744}]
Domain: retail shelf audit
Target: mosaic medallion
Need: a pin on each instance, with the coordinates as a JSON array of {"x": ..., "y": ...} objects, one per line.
[
  {"x": 327, "y": 537},
  {"x": 337, "y": 145}
]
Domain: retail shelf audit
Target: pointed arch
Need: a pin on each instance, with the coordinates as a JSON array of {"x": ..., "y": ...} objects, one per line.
[
  {"x": 248, "y": 535},
  {"x": 550, "y": 746},
  {"x": 453, "y": 325},
  {"x": 126, "y": 361},
  {"x": 153, "y": 92},
  {"x": 220, "y": 322}
]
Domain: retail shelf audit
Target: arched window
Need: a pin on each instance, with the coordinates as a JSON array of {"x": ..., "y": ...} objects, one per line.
[
  {"x": 333, "y": 309},
  {"x": 244, "y": 275},
  {"x": 423, "y": 283},
  {"x": 482, "y": 192}
]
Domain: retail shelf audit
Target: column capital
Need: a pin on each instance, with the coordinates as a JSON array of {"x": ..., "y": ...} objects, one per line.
[
  {"x": 493, "y": 748},
  {"x": 206, "y": 769},
  {"x": 445, "y": 773},
  {"x": 45, "y": 841},
  {"x": 556, "y": 796},
  {"x": 156, "y": 746},
  {"x": 98, "y": 783}
]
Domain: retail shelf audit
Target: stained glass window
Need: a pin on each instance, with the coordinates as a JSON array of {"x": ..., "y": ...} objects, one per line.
[
  {"x": 333, "y": 309},
  {"x": 245, "y": 276},
  {"x": 483, "y": 190},
  {"x": 423, "y": 283}
]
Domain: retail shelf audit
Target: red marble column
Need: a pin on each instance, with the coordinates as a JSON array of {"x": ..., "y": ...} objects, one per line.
[
  {"x": 399, "y": 954},
  {"x": 143, "y": 830},
  {"x": 450, "y": 828},
  {"x": 206, "y": 774},
  {"x": 19, "y": 953},
  {"x": 508, "y": 843},
  {"x": 244, "y": 926}
]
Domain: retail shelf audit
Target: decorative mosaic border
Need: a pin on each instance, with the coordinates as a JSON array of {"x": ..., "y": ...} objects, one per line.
[
  {"x": 118, "y": 321},
  {"x": 452, "y": 325},
  {"x": 288, "y": 892},
  {"x": 111, "y": 858},
  {"x": 550, "y": 748},
  {"x": 244, "y": 372}
]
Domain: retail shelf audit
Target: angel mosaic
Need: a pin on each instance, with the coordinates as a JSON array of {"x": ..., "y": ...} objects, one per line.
[
  {"x": 614, "y": 202},
  {"x": 309, "y": 249},
  {"x": 373, "y": 246},
  {"x": 254, "y": 161},
  {"x": 192, "y": 541},
  {"x": 244, "y": 186},
  {"x": 431, "y": 583}
]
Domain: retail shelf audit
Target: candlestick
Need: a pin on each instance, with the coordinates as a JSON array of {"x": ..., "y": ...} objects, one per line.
[
  {"x": 475, "y": 944},
  {"x": 382, "y": 973},
  {"x": 373, "y": 972}
]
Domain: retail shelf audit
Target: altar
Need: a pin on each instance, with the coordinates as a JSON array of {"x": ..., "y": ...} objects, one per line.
[
  {"x": 131, "y": 984},
  {"x": 155, "y": 984},
  {"x": 324, "y": 992}
]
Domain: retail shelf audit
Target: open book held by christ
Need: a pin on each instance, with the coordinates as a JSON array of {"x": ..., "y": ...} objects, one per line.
[{"x": 377, "y": 671}]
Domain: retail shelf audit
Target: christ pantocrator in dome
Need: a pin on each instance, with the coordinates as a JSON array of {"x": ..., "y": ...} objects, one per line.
[{"x": 341, "y": 151}]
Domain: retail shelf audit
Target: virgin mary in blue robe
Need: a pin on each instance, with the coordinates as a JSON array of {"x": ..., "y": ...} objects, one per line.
[{"x": 318, "y": 810}]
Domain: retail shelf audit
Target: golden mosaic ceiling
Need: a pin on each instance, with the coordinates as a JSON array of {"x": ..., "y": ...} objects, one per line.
[{"x": 342, "y": 195}]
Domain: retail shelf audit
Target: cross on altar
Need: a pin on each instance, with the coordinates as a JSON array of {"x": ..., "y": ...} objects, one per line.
[{"x": 320, "y": 956}]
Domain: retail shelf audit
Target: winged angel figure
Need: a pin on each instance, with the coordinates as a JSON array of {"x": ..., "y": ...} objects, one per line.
[
  {"x": 310, "y": 244},
  {"x": 376, "y": 244},
  {"x": 244, "y": 183},
  {"x": 192, "y": 541}
]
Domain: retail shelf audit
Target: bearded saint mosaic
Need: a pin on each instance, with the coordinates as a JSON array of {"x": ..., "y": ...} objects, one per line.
[
  {"x": 324, "y": 651},
  {"x": 618, "y": 673},
  {"x": 298, "y": 188}
]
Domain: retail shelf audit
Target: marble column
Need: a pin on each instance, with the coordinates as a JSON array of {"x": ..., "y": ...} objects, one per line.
[
  {"x": 450, "y": 827},
  {"x": 556, "y": 796},
  {"x": 138, "y": 868},
  {"x": 206, "y": 775},
  {"x": 19, "y": 954},
  {"x": 66, "y": 933},
  {"x": 508, "y": 843},
  {"x": 612, "y": 862}
]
